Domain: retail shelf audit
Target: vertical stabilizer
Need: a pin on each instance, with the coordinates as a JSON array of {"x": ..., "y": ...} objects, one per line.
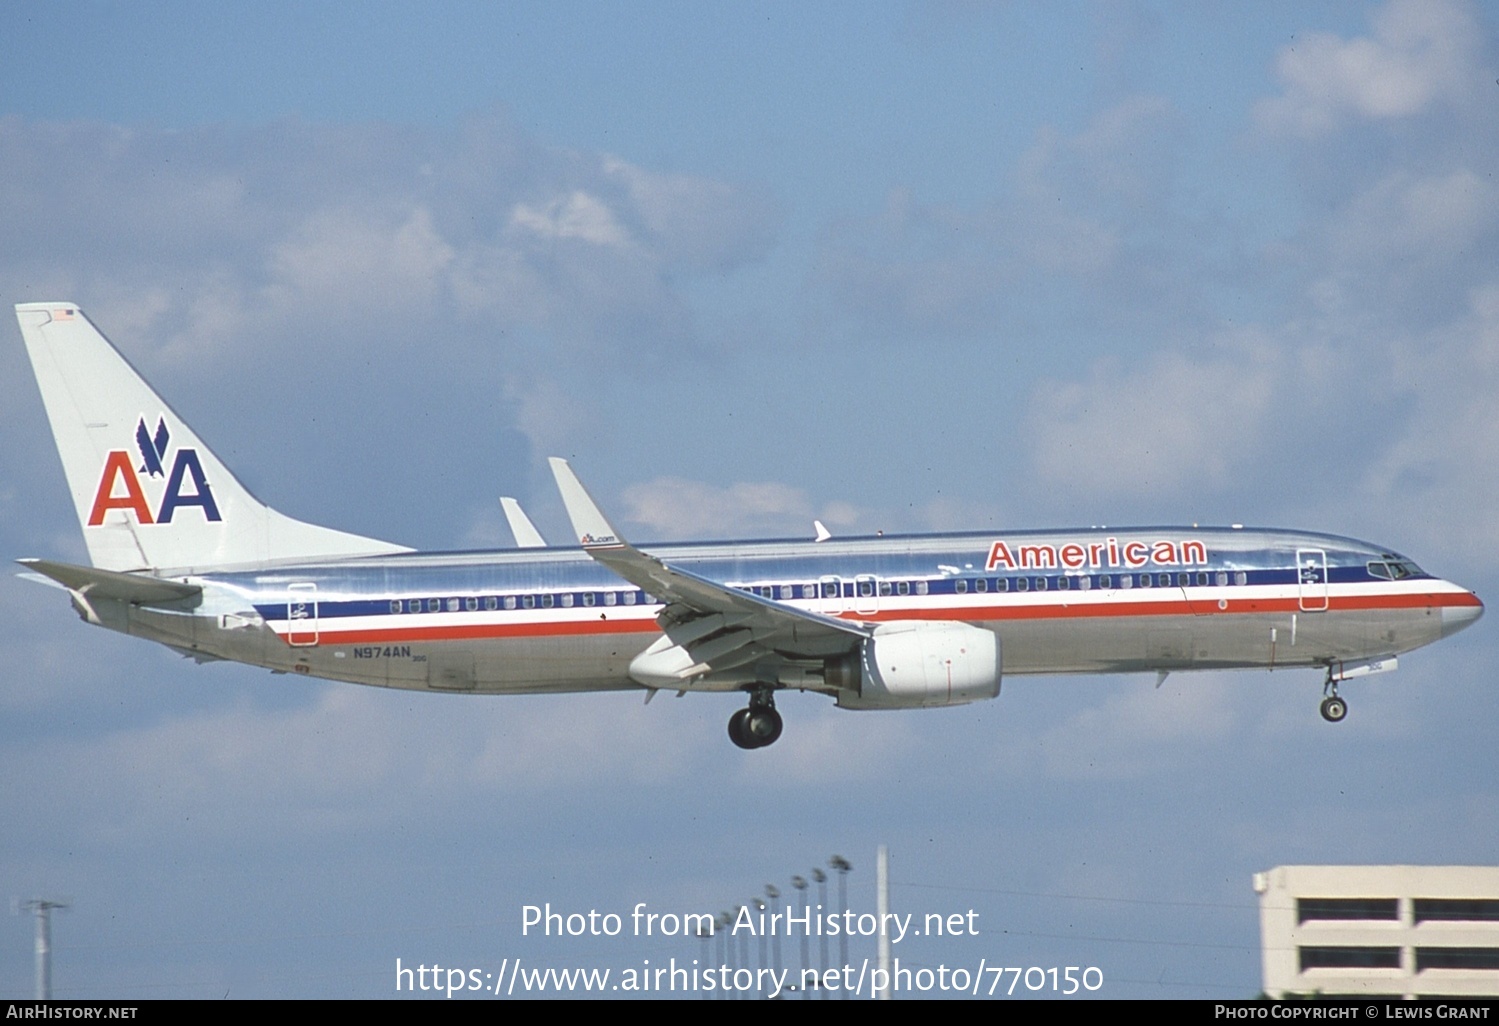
[{"x": 149, "y": 494}]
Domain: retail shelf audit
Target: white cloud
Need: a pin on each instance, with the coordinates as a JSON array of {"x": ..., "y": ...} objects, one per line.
[
  {"x": 353, "y": 258},
  {"x": 574, "y": 216},
  {"x": 1439, "y": 475},
  {"x": 352, "y": 755},
  {"x": 1174, "y": 422},
  {"x": 671, "y": 507},
  {"x": 1072, "y": 215},
  {"x": 1406, "y": 218},
  {"x": 360, "y": 225},
  {"x": 696, "y": 220},
  {"x": 1421, "y": 52}
]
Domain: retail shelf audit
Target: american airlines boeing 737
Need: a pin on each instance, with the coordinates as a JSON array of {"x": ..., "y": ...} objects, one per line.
[{"x": 184, "y": 555}]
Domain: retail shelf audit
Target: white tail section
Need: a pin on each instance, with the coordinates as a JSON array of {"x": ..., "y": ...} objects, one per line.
[{"x": 149, "y": 493}]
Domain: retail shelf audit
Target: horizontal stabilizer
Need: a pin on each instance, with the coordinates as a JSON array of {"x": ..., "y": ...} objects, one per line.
[{"x": 111, "y": 584}]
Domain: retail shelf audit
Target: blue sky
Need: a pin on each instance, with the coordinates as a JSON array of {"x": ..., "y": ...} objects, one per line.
[{"x": 901, "y": 267}]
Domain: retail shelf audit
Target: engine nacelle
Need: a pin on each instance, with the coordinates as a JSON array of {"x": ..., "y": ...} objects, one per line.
[{"x": 913, "y": 663}]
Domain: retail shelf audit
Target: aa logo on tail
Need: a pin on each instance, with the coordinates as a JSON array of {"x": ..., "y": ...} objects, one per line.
[{"x": 120, "y": 481}]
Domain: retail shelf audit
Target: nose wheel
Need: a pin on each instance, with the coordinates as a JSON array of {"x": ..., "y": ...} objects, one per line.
[
  {"x": 759, "y": 724},
  {"x": 1333, "y": 708}
]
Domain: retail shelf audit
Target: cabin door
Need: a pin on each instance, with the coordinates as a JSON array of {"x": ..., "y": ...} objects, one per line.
[
  {"x": 301, "y": 614},
  {"x": 1311, "y": 579}
]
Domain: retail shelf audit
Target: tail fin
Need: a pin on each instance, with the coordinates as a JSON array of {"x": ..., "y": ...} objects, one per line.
[{"x": 148, "y": 493}]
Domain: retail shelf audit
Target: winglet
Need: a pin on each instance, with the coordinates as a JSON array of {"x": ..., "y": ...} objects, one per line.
[
  {"x": 589, "y": 525},
  {"x": 526, "y": 535}
]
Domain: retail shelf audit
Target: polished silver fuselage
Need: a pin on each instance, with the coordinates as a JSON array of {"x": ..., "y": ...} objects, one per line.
[{"x": 1079, "y": 601}]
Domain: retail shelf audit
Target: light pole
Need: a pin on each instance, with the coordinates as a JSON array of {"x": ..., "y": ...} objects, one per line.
[
  {"x": 726, "y": 948},
  {"x": 743, "y": 947},
  {"x": 822, "y": 935},
  {"x": 841, "y": 866},
  {"x": 774, "y": 894},
  {"x": 800, "y": 883},
  {"x": 43, "y": 911},
  {"x": 705, "y": 935},
  {"x": 760, "y": 954}
]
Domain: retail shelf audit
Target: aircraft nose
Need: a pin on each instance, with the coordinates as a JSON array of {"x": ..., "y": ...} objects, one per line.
[{"x": 1455, "y": 618}]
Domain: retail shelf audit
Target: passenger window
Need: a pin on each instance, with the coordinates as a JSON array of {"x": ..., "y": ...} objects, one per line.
[
  {"x": 1084, "y": 583},
  {"x": 1040, "y": 584},
  {"x": 490, "y": 602},
  {"x": 629, "y": 598},
  {"x": 1145, "y": 581},
  {"x": 1202, "y": 580},
  {"x": 884, "y": 587},
  {"x": 1022, "y": 584},
  {"x": 471, "y": 604},
  {"x": 1126, "y": 580},
  {"x": 960, "y": 587},
  {"x": 921, "y": 587},
  {"x": 434, "y": 605},
  {"x": 786, "y": 591},
  {"x": 567, "y": 600},
  {"x": 1221, "y": 578},
  {"x": 1003, "y": 584},
  {"x": 1103, "y": 580},
  {"x": 1062, "y": 584},
  {"x": 395, "y": 605},
  {"x": 866, "y": 589},
  {"x": 509, "y": 601},
  {"x": 546, "y": 601},
  {"x": 904, "y": 587},
  {"x": 588, "y": 598},
  {"x": 528, "y": 601},
  {"x": 610, "y": 598},
  {"x": 1165, "y": 580},
  {"x": 981, "y": 585},
  {"x": 1240, "y": 577}
]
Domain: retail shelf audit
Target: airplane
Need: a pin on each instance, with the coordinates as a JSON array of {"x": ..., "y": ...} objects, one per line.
[{"x": 184, "y": 555}]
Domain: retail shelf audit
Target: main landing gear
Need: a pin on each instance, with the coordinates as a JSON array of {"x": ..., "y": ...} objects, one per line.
[
  {"x": 1333, "y": 707},
  {"x": 759, "y": 724}
]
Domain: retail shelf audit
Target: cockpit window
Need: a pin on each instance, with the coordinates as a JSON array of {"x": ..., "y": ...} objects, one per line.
[{"x": 1392, "y": 568}]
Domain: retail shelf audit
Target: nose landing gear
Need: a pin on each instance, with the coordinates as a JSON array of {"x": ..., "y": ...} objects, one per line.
[
  {"x": 1333, "y": 707},
  {"x": 759, "y": 724}
]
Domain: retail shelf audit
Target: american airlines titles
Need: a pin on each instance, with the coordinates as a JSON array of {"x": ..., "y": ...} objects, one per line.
[{"x": 1108, "y": 552}]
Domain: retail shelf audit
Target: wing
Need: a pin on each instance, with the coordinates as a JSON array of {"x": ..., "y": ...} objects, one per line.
[{"x": 709, "y": 626}]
